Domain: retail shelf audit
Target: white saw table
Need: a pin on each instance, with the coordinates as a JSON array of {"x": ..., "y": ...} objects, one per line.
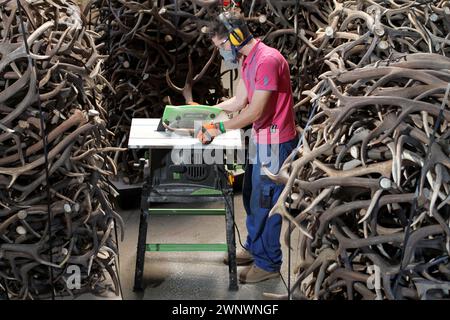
[
  {"x": 183, "y": 183},
  {"x": 143, "y": 134}
]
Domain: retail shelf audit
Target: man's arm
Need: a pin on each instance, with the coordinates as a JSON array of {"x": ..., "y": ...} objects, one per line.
[
  {"x": 254, "y": 111},
  {"x": 266, "y": 82},
  {"x": 238, "y": 102}
]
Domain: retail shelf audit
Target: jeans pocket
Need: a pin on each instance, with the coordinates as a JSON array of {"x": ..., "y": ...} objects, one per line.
[{"x": 265, "y": 199}]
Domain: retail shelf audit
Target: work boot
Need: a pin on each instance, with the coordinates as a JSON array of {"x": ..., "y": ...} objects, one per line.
[
  {"x": 243, "y": 257},
  {"x": 254, "y": 274}
]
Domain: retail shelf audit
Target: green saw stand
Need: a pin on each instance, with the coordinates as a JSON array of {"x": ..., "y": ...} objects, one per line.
[{"x": 166, "y": 182}]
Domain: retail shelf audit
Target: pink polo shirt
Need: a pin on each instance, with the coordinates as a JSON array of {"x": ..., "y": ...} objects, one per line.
[{"x": 266, "y": 69}]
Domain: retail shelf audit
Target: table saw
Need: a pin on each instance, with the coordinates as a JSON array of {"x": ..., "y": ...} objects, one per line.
[{"x": 183, "y": 182}]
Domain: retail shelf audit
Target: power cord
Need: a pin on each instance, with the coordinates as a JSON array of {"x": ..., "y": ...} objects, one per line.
[
  {"x": 117, "y": 262},
  {"x": 45, "y": 143},
  {"x": 242, "y": 245},
  {"x": 419, "y": 182},
  {"x": 300, "y": 143},
  {"x": 230, "y": 207},
  {"x": 296, "y": 29},
  {"x": 3, "y": 290}
]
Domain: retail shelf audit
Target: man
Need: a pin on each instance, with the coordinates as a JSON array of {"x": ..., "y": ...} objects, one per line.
[{"x": 264, "y": 96}]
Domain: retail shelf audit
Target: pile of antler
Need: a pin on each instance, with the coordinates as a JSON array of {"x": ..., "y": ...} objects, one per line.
[
  {"x": 307, "y": 32},
  {"x": 158, "y": 49},
  {"x": 369, "y": 186},
  {"x": 61, "y": 73}
]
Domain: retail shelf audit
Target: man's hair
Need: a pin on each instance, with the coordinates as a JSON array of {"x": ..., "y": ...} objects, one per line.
[{"x": 218, "y": 28}]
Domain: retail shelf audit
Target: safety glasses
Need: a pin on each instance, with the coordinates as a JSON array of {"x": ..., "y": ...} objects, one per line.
[{"x": 222, "y": 44}]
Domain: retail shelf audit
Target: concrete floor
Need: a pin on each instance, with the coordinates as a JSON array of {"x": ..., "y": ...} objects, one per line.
[{"x": 189, "y": 275}]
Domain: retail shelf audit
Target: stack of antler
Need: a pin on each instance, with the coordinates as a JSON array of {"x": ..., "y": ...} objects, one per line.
[
  {"x": 60, "y": 71},
  {"x": 158, "y": 51},
  {"x": 306, "y": 31},
  {"x": 369, "y": 187}
]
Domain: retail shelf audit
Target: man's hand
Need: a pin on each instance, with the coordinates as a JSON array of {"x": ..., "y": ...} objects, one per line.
[{"x": 209, "y": 131}]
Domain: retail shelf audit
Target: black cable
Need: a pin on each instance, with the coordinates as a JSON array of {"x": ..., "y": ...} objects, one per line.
[
  {"x": 419, "y": 182},
  {"x": 3, "y": 293},
  {"x": 45, "y": 143},
  {"x": 240, "y": 239},
  {"x": 273, "y": 263},
  {"x": 118, "y": 259},
  {"x": 177, "y": 21},
  {"x": 289, "y": 242},
  {"x": 104, "y": 163},
  {"x": 256, "y": 255},
  {"x": 311, "y": 114},
  {"x": 298, "y": 56},
  {"x": 418, "y": 4},
  {"x": 109, "y": 183},
  {"x": 108, "y": 34},
  {"x": 90, "y": 15},
  {"x": 297, "y": 29}
]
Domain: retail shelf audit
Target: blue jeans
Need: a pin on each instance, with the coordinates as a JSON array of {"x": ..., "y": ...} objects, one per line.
[{"x": 259, "y": 196}]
